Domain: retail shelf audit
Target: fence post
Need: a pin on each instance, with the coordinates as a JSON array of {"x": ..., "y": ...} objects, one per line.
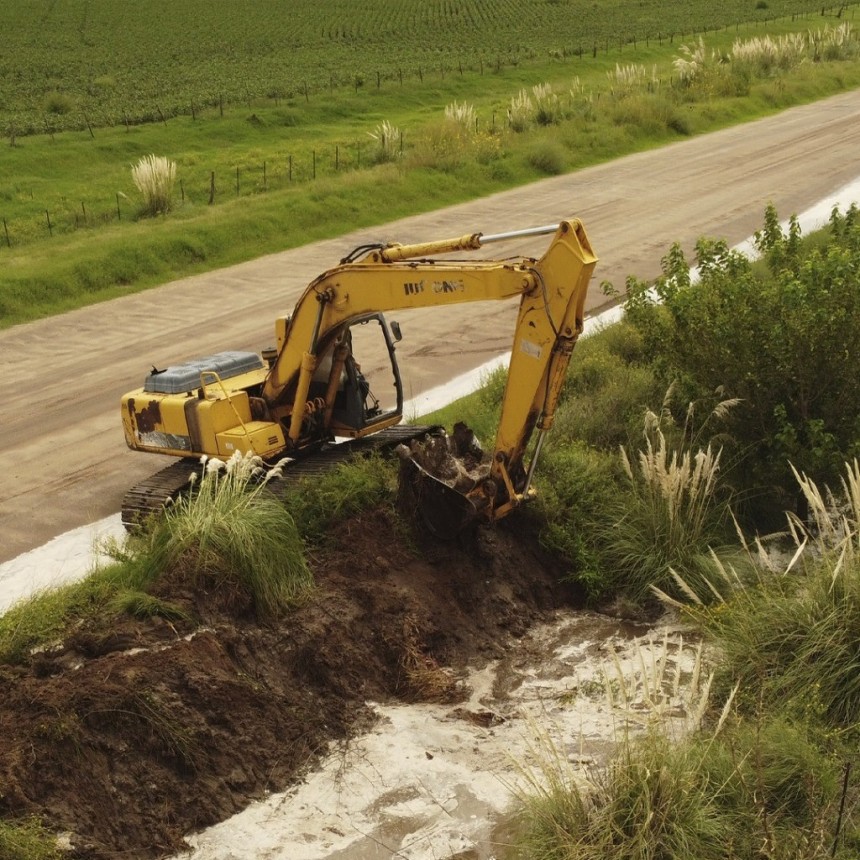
[
  {"x": 84, "y": 210},
  {"x": 265, "y": 184},
  {"x": 6, "y": 231},
  {"x": 182, "y": 190},
  {"x": 336, "y": 157},
  {"x": 291, "y": 169},
  {"x": 118, "y": 212},
  {"x": 314, "y": 154},
  {"x": 50, "y": 228},
  {"x": 212, "y": 188},
  {"x": 237, "y": 181}
]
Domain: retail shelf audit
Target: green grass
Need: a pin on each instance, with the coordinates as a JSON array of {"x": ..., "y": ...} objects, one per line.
[
  {"x": 317, "y": 504},
  {"x": 228, "y": 538},
  {"x": 99, "y": 247},
  {"x": 64, "y": 57},
  {"x": 27, "y": 839}
]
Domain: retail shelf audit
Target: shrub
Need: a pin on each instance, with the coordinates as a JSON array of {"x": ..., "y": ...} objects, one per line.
[
  {"x": 153, "y": 177},
  {"x": 779, "y": 336},
  {"x": 547, "y": 157},
  {"x": 58, "y": 103}
]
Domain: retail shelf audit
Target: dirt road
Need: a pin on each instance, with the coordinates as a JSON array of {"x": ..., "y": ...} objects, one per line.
[{"x": 64, "y": 460}]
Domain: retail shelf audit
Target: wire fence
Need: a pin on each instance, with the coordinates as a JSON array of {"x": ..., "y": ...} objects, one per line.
[{"x": 208, "y": 187}]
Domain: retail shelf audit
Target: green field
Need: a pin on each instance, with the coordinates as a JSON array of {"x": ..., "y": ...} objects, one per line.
[
  {"x": 279, "y": 167},
  {"x": 64, "y": 64}
]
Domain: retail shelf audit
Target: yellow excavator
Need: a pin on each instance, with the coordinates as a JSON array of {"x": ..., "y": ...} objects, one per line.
[{"x": 314, "y": 387}]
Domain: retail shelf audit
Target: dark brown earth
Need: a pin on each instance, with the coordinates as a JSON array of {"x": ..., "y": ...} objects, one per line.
[{"x": 131, "y": 738}]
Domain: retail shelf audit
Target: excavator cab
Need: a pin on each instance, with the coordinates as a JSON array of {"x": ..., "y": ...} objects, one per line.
[{"x": 357, "y": 376}]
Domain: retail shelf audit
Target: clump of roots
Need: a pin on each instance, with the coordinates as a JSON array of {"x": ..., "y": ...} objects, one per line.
[{"x": 456, "y": 460}]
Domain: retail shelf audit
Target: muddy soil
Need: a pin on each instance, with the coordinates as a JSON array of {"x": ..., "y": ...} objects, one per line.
[{"x": 128, "y": 740}]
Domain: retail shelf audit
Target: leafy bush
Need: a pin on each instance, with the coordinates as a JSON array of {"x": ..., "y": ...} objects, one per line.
[{"x": 780, "y": 336}]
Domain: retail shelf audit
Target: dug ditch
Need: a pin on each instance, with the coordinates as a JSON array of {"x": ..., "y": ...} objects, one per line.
[{"x": 129, "y": 740}]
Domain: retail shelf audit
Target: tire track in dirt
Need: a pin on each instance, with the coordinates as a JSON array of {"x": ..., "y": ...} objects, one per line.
[{"x": 65, "y": 463}]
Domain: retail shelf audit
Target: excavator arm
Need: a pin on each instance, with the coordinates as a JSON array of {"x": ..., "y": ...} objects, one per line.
[{"x": 552, "y": 294}]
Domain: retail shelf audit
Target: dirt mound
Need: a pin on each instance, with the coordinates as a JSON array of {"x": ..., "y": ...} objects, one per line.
[{"x": 131, "y": 739}]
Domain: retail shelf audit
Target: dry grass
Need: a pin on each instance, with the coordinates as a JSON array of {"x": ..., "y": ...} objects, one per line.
[
  {"x": 389, "y": 142},
  {"x": 154, "y": 176}
]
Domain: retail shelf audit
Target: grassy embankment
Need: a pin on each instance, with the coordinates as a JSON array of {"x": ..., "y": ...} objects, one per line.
[{"x": 99, "y": 247}]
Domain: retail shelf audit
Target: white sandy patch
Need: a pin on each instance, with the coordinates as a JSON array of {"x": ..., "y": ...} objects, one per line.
[{"x": 435, "y": 781}]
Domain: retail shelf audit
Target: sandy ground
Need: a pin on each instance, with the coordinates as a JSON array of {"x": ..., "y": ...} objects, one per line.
[
  {"x": 65, "y": 464},
  {"x": 432, "y": 781}
]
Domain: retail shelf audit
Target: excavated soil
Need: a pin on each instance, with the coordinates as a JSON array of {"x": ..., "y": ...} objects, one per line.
[{"x": 129, "y": 740}]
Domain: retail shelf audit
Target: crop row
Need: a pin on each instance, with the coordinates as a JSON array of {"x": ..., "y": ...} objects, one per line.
[{"x": 65, "y": 63}]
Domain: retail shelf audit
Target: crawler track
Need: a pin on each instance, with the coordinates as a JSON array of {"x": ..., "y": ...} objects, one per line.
[{"x": 149, "y": 496}]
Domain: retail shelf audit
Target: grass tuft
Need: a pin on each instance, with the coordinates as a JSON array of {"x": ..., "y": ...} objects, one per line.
[
  {"x": 154, "y": 177},
  {"x": 230, "y": 535},
  {"x": 27, "y": 839}
]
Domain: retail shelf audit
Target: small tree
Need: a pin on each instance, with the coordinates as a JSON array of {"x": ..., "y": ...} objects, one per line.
[
  {"x": 780, "y": 335},
  {"x": 154, "y": 176}
]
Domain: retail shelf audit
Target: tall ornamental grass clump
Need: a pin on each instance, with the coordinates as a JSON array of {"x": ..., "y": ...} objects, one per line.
[
  {"x": 792, "y": 636},
  {"x": 389, "y": 142},
  {"x": 230, "y": 535},
  {"x": 669, "y": 519},
  {"x": 154, "y": 177},
  {"x": 761, "y": 790}
]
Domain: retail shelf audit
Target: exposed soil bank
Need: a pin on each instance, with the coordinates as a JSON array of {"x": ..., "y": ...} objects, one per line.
[{"x": 133, "y": 738}]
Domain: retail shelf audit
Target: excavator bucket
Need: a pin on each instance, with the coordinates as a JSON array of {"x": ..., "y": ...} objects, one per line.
[
  {"x": 440, "y": 479},
  {"x": 445, "y": 512}
]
